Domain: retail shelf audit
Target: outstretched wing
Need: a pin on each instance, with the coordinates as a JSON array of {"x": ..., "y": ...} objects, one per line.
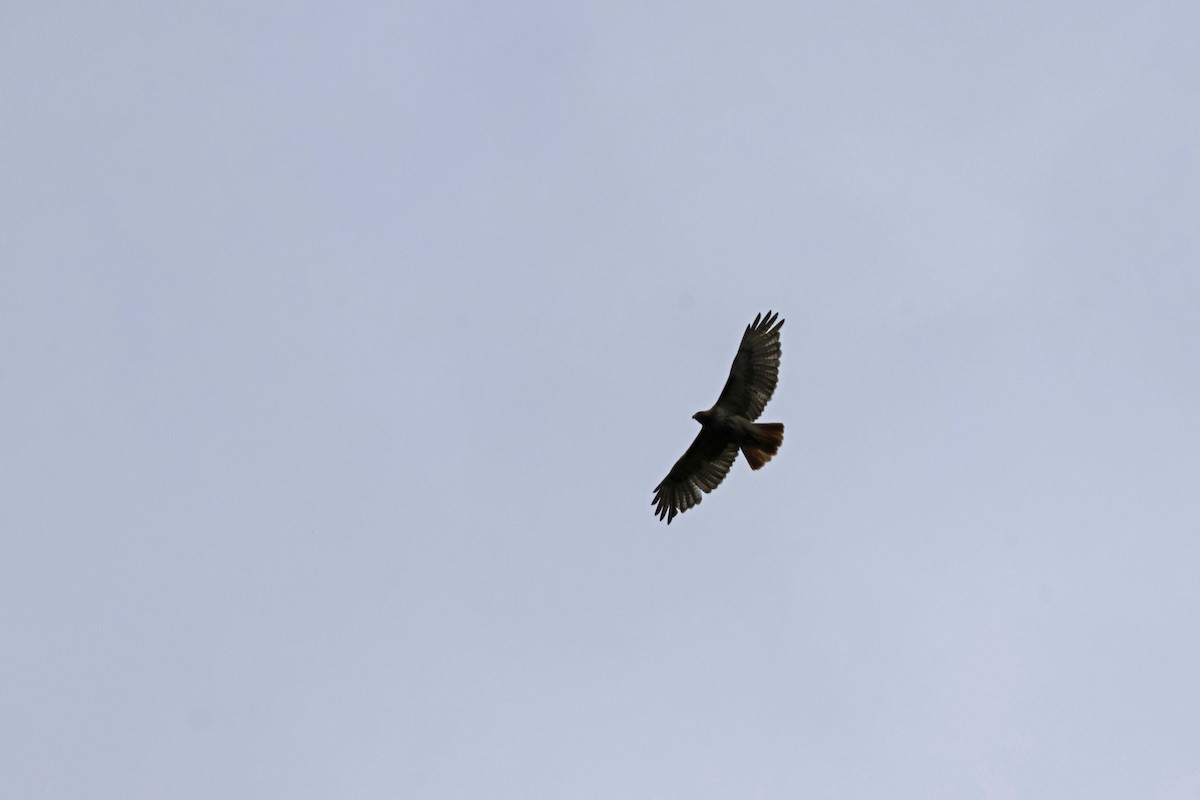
[
  {"x": 701, "y": 468},
  {"x": 755, "y": 370}
]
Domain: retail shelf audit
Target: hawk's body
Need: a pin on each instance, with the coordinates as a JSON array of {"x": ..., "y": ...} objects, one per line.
[{"x": 730, "y": 424}]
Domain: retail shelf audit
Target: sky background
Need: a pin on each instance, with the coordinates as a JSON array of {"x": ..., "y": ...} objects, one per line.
[{"x": 343, "y": 345}]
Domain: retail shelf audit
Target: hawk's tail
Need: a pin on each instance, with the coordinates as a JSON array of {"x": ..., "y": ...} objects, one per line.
[{"x": 770, "y": 438}]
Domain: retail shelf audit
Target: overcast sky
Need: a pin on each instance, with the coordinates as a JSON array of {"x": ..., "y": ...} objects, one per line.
[{"x": 342, "y": 346}]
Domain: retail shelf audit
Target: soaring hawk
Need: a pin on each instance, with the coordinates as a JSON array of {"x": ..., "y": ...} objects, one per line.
[{"x": 729, "y": 425}]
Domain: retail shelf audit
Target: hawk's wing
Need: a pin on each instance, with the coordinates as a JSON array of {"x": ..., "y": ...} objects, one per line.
[
  {"x": 755, "y": 370},
  {"x": 701, "y": 468}
]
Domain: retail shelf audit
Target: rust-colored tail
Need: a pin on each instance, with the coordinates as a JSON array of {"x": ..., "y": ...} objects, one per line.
[{"x": 770, "y": 436}]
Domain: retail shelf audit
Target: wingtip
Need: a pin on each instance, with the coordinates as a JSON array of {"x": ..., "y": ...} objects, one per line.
[
  {"x": 766, "y": 323},
  {"x": 664, "y": 508}
]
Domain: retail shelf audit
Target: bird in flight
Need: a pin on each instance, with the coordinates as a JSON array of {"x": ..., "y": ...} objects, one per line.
[{"x": 729, "y": 425}]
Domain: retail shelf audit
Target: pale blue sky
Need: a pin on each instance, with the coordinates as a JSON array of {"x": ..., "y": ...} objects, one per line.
[{"x": 343, "y": 346}]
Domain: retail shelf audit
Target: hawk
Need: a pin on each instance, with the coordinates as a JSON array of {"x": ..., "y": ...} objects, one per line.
[{"x": 729, "y": 425}]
